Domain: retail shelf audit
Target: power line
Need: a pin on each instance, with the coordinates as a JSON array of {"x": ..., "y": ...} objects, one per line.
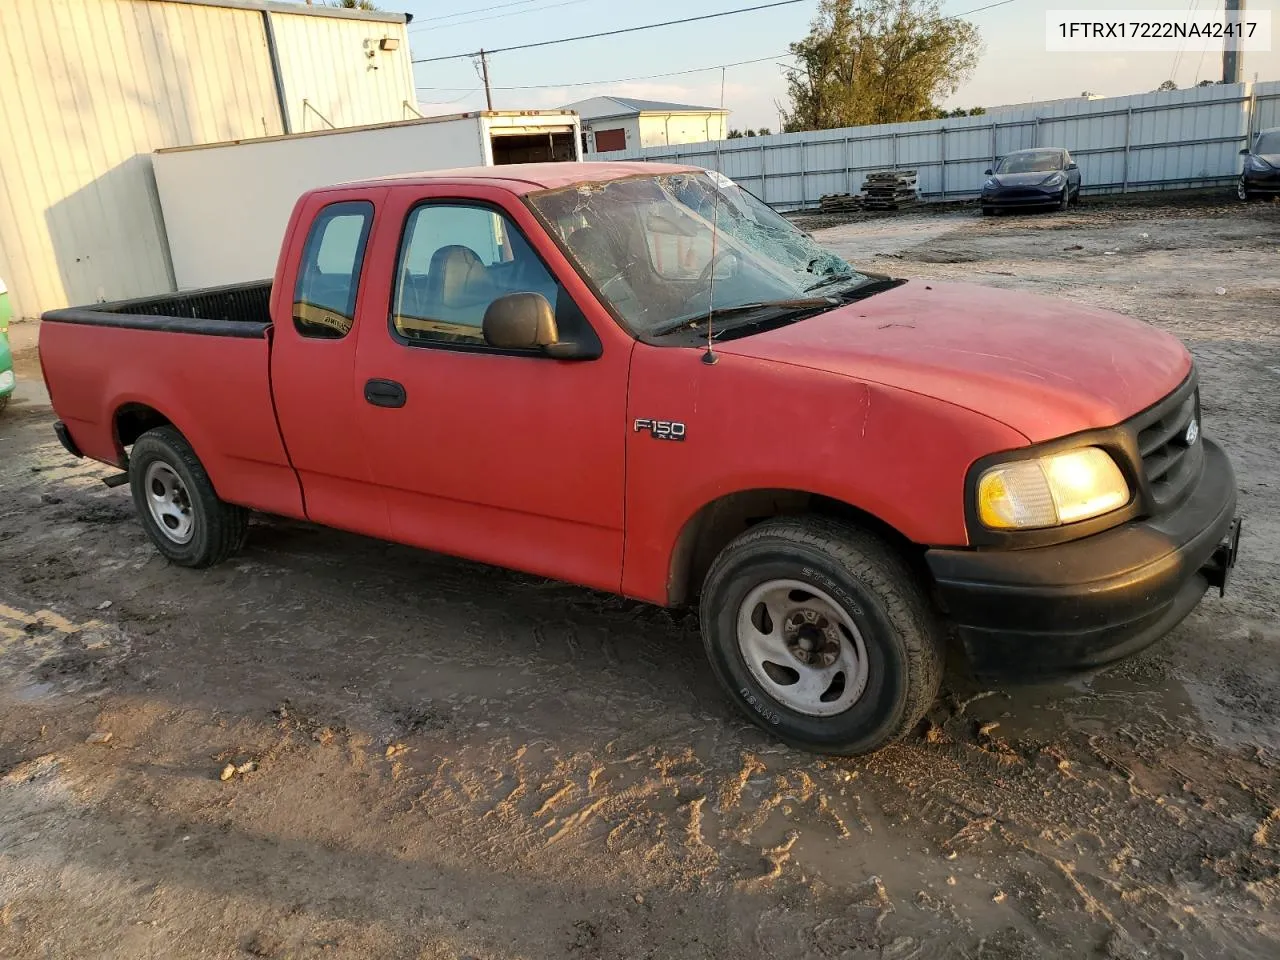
[
  {"x": 614, "y": 33},
  {"x": 650, "y": 76},
  {"x": 668, "y": 23},
  {"x": 504, "y": 16},
  {"x": 419, "y": 22}
]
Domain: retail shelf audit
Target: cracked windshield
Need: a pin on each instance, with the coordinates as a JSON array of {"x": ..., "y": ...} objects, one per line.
[{"x": 669, "y": 251}]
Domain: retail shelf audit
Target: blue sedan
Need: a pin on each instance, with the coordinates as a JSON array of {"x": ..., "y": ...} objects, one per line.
[{"x": 1042, "y": 177}]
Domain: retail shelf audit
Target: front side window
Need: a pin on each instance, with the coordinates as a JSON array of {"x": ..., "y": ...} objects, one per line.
[
  {"x": 324, "y": 299},
  {"x": 670, "y": 250},
  {"x": 456, "y": 260}
]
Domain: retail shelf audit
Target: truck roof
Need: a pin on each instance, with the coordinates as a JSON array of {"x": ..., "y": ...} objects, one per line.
[{"x": 527, "y": 177}]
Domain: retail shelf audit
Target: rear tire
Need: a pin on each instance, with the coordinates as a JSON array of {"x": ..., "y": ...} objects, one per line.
[
  {"x": 177, "y": 504},
  {"x": 871, "y": 629}
]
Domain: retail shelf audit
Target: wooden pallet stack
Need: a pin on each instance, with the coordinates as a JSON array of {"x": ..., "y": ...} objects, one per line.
[
  {"x": 890, "y": 189},
  {"x": 840, "y": 203}
]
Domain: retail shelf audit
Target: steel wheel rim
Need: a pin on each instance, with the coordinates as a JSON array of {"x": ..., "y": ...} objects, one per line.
[
  {"x": 802, "y": 648},
  {"x": 1241, "y": 192},
  {"x": 169, "y": 502}
]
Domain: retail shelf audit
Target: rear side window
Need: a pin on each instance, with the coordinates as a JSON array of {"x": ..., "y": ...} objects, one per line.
[{"x": 324, "y": 301}]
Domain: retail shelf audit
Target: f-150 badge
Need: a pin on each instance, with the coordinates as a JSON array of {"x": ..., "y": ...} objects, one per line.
[{"x": 662, "y": 429}]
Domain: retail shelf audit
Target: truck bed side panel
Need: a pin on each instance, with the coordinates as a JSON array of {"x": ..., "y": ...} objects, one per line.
[{"x": 214, "y": 389}]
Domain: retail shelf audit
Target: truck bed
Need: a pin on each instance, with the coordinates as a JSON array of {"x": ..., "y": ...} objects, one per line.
[
  {"x": 238, "y": 310},
  {"x": 198, "y": 360}
]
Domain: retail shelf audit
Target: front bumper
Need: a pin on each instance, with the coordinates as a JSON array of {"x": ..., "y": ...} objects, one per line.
[
  {"x": 1022, "y": 197},
  {"x": 1073, "y": 606},
  {"x": 1266, "y": 181}
]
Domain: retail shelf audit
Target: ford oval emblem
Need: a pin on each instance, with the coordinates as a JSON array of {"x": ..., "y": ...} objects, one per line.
[{"x": 1193, "y": 432}]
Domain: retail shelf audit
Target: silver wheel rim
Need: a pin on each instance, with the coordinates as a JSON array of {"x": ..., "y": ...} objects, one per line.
[
  {"x": 802, "y": 648},
  {"x": 1241, "y": 192},
  {"x": 168, "y": 502}
]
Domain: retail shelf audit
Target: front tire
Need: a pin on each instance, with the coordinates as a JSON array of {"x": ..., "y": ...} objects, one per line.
[
  {"x": 988, "y": 211},
  {"x": 1242, "y": 192},
  {"x": 1064, "y": 203},
  {"x": 177, "y": 504},
  {"x": 822, "y": 635}
]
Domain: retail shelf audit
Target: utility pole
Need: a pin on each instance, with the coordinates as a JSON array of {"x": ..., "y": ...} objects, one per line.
[
  {"x": 484, "y": 69},
  {"x": 1230, "y": 56}
]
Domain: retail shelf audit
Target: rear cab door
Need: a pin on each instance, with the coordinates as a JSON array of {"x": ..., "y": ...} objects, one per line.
[{"x": 508, "y": 457}]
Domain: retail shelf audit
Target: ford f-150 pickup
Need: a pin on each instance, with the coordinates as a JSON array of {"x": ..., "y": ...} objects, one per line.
[{"x": 640, "y": 378}]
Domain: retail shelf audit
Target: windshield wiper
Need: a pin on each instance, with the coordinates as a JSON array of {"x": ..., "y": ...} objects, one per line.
[
  {"x": 802, "y": 303},
  {"x": 828, "y": 281},
  {"x": 869, "y": 287}
]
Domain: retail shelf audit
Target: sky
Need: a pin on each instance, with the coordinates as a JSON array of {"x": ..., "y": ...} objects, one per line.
[{"x": 1014, "y": 67}]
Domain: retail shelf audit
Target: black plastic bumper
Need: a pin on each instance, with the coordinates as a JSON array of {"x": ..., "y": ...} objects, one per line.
[
  {"x": 1262, "y": 182},
  {"x": 64, "y": 437},
  {"x": 1076, "y": 605},
  {"x": 1038, "y": 199}
]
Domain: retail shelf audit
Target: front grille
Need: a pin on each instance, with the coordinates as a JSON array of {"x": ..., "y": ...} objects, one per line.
[{"x": 1170, "y": 463}]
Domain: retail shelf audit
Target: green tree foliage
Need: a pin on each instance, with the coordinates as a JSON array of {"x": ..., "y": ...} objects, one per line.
[{"x": 877, "y": 61}]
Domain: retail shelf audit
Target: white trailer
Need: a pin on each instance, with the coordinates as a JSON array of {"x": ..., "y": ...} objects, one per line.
[{"x": 226, "y": 205}]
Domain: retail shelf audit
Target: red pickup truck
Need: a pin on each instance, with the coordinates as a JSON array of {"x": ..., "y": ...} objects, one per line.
[{"x": 639, "y": 378}]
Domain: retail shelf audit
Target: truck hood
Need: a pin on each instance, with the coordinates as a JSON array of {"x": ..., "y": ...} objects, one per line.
[{"x": 1044, "y": 367}]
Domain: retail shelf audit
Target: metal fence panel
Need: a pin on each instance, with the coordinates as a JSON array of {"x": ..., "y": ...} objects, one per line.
[{"x": 1150, "y": 141}]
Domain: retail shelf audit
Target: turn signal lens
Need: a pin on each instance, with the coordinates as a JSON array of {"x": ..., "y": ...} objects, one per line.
[{"x": 1051, "y": 491}]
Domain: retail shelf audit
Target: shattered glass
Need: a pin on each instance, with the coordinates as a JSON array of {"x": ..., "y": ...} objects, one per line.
[{"x": 666, "y": 250}]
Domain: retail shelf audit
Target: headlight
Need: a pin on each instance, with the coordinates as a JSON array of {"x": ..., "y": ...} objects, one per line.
[
  {"x": 6, "y": 381},
  {"x": 1054, "y": 179},
  {"x": 991, "y": 183},
  {"x": 1050, "y": 491},
  {"x": 1257, "y": 163}
]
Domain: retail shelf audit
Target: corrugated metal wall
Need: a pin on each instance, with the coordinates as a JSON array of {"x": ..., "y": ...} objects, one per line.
[
  {"x": 1185, "y": 138},
  {"x": 331, "y": 79},
  {"x": 88, "y": 88}
]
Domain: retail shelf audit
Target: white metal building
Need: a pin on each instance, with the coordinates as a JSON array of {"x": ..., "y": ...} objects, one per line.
[
  {"x": 621, "y": 123},
  {"x": 89, "y": 88}
]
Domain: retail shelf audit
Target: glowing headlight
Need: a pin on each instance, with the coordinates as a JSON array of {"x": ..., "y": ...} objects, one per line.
[{"x": 1051, "y": 491}]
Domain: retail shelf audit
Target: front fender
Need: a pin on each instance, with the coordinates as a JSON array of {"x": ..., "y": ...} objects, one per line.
[{"x": 752, "y": 424}]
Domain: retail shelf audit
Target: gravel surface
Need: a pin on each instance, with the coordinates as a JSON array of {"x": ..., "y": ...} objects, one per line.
[{"x": 335, "y": 747}]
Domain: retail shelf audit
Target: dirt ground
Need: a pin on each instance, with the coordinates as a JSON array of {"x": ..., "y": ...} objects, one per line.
[{"x": 433, "y": 759}]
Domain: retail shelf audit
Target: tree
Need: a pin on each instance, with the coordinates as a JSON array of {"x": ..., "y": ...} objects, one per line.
[
  {"x": 877, "y": 61},
  {"x": 1166, "y": 86},
  {"x": 735, "y": 134}
]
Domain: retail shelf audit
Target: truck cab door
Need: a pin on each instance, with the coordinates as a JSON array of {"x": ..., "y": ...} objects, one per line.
[
  {"x": 319, "y": 294},
  {"x": 509, "y": 457}
]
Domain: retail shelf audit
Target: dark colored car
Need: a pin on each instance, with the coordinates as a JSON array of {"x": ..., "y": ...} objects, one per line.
[
  {"x": 1261, "y": 176},
  {"x": 1042, "y": 177}
]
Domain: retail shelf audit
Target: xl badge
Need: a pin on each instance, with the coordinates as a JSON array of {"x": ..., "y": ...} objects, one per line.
[
  {"x": 1193, "y": 432},
  {"x": 662, "y": 429}
]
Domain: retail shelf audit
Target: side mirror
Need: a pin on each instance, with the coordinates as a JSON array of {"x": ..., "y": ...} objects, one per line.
[
  {"x": 988, "y": 172},
  {"x": 525, "y": 321},
  {"x": 1244, "y": 152},
  {"x": 1073, "y": 165}
]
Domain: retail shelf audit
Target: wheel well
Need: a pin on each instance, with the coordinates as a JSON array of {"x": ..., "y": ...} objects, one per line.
[
  {"x": 133, "y": 420},
  {"x": 712, "y": 527}
]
